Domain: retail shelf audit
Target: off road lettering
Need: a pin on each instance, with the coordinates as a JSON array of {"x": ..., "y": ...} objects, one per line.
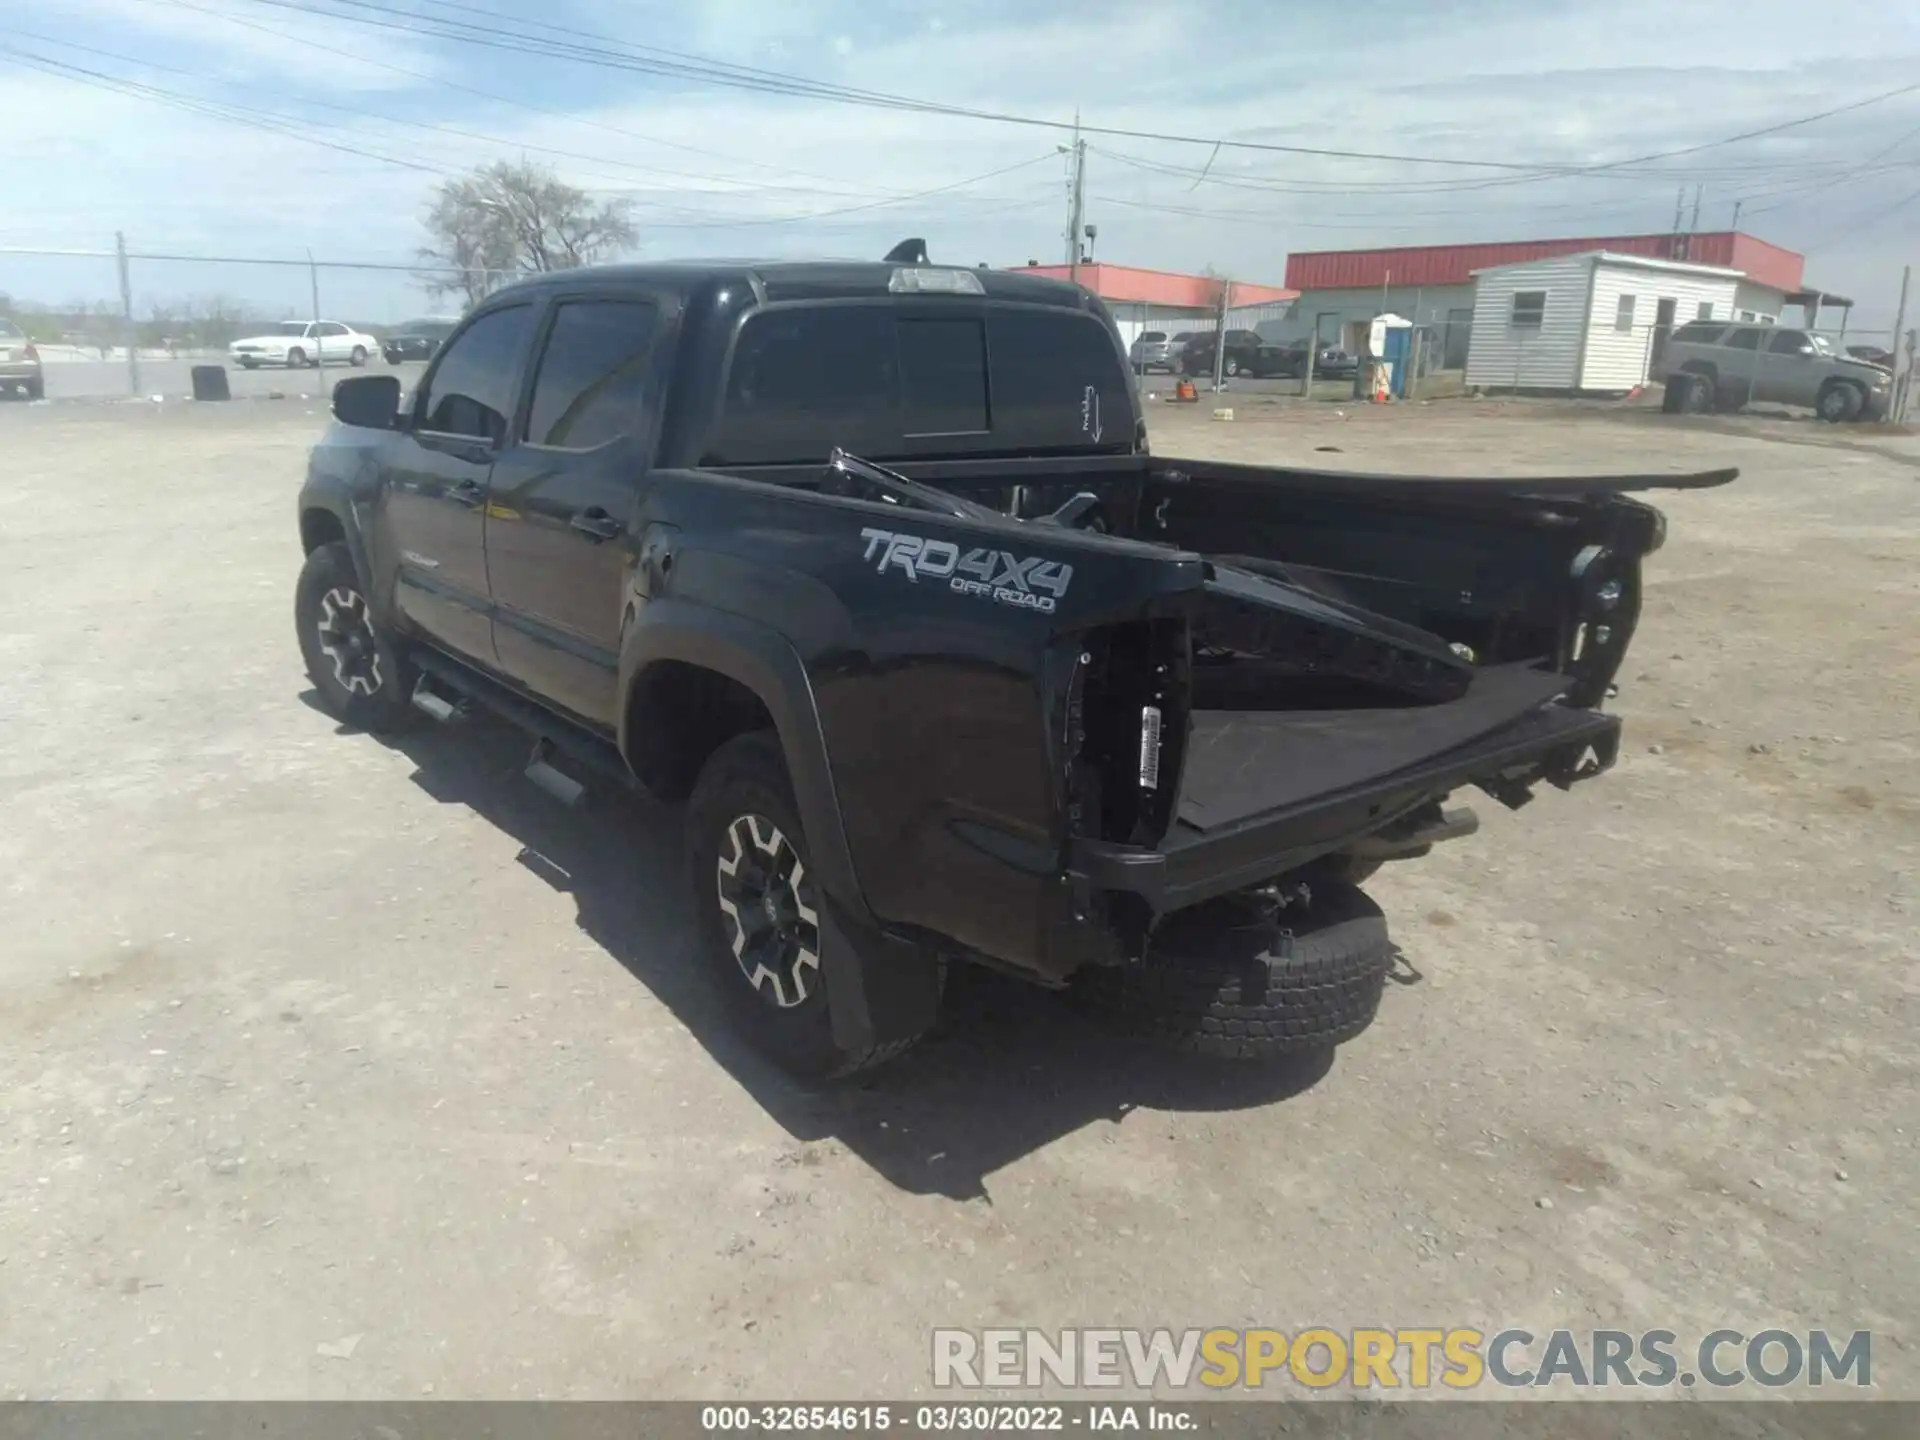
[{"x": 997, "y": 575}]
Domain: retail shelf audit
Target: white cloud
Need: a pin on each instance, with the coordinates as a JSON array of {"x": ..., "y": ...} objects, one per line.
[{"x": 1502, "y": 78}]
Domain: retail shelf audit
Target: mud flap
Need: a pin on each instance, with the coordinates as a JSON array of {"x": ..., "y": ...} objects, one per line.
[{"x": 880, "y": 990}]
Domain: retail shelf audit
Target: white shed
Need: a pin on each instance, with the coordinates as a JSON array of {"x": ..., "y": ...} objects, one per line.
[{"x": 1591, "y": 322}]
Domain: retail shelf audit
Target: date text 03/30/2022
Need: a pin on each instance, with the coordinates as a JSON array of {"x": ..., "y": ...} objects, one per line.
[{"x": 935, "y": 1419}]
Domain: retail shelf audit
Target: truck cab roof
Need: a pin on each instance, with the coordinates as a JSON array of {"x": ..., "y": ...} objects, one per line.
[{"x": 777, "y": 280}]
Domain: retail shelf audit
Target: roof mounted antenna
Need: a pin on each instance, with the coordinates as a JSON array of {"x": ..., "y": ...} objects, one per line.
[{"x": 908, "y": 252}]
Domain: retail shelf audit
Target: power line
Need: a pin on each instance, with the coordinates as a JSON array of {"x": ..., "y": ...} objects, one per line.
[
  {"x": 363, "y": 113},
  {"x": 681, "y": 64},
  {"x": 508, "y": 99},
  {"x": 232, "y": 114},
  {"x": 287, "y": 126}
]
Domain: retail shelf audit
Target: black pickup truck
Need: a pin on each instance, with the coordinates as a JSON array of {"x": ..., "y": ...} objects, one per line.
[{"x": 870, "y": 563}]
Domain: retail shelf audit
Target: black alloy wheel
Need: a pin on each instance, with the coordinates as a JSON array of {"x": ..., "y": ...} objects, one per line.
[{"x": 769, "y": 911}]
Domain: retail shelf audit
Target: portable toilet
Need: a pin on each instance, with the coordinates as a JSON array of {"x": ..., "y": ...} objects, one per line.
[{"x": 1390, "y": 340}]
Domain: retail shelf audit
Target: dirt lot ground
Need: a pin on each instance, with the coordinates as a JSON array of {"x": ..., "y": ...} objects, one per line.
[{"x": 334, "y": 1068}]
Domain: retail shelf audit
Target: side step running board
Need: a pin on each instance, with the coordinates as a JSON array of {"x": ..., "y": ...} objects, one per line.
[
  {"x": 557, "y": 783},
  {"x": 557, "y": 740},
  {"x": 427, "y": 701}
]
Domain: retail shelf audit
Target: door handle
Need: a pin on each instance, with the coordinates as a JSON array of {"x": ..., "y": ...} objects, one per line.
[
  {"x": 467, "y": 492},
  {"x": 595, "y": 522}
]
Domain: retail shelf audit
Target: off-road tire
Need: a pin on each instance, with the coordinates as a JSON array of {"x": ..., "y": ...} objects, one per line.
[
  {"x": 746, "y": 778},
  {"x": 1219, "y": 980},
  {"x": 1702, "y": 395},
  {"x": 1230, "y": 366},
  {"x": 329, "y": 591},
  {"x": 1838, "y": 402}
]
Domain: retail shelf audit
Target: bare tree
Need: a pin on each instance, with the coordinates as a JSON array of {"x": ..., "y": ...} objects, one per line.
[{"x": 510, "y": 219}]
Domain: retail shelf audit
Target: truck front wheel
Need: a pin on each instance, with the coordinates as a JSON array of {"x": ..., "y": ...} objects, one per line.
[
  {"x": 355, "y": 670},
  {"x": 1232, "y": 979},
  {"x": 1840, "y": 402},
  {"x": 761, "y": 933}
]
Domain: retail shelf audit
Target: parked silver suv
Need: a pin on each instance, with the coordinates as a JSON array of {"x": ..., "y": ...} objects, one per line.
[
  {"x": 1154, "y": 351},
  {"x": 1727, "y": 366}
]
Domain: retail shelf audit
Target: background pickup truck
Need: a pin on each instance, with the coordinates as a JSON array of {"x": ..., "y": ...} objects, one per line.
[{"x": 871, "y": 566}]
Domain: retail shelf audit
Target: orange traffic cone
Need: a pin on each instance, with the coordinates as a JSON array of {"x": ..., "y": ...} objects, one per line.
[{"x": 1185, "y": 391}]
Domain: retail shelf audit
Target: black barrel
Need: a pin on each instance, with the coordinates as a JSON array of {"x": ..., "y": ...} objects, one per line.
[{"x": 210, "y": 383}]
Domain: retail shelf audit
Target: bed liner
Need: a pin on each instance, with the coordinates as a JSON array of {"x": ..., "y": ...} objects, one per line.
[{"x": 1247, "y": 762}]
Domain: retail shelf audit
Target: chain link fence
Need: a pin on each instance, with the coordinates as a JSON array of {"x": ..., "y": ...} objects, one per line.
[{"x": 132, "y": 320}]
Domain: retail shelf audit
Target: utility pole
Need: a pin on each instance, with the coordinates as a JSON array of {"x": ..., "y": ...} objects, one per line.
[
  {"x": 126, "y": 313},
  {"x": 1693, "y": 225},
  {"x": 1679, "y": 208},
  {"x": 1902, "y": 389},
  {"x": 1736, "y": 214},
  {"x": 1220, "y": 349},
  {"x": 1078, "y": 208}
]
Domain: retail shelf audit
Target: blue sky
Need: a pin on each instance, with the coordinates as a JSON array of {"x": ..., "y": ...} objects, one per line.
[{"x": 348, "y": 126}]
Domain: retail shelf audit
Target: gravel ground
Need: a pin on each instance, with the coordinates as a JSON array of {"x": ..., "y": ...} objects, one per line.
[{"x": 336, "y": 1068}]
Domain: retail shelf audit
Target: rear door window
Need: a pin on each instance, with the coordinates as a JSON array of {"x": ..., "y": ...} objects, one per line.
[
  {"x": 1743, "y": 340},
  {"x": 592, "y": 373},
  {"x": 1698, "y": 334}
]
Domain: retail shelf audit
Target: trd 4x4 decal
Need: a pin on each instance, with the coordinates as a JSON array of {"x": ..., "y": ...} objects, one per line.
[{"x": 995, "y": 574}]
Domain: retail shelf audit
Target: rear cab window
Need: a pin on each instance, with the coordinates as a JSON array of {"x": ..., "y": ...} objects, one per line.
[{"x": 890, "y": 381}]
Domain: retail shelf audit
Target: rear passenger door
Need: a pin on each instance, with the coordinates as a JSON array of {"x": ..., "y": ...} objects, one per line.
[
  {"x": 564, "y": 492},
  {"x": 1738, "y": 360}
]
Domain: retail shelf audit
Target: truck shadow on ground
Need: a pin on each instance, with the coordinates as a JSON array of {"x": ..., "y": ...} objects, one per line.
[{"x": 1010, "y": 1069}]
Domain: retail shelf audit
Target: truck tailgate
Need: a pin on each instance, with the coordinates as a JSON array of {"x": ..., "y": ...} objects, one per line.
[{"x": 1246, "y": 762}]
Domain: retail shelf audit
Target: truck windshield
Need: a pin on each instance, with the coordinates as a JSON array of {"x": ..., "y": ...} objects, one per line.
[{"x": 891, "y": 382}]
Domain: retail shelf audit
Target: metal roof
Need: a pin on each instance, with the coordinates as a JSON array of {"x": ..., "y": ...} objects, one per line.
[
  {"x": 1132, "y": 284},
  {"x": 1406, "y": 267},
  {"x": 1639, "y": 262}
]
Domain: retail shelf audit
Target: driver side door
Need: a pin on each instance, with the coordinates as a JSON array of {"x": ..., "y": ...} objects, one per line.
[{"x": 434, "y": 490}]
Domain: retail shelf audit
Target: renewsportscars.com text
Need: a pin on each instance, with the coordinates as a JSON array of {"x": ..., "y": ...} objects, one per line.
[{"x": 1416, "y": 1358}]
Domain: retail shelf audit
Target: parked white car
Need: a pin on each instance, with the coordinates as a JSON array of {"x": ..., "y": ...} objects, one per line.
[{"x": 296, "y": 343}]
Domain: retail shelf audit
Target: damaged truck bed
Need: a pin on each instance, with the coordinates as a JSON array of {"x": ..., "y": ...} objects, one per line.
[{"x": 873, "y": 567}]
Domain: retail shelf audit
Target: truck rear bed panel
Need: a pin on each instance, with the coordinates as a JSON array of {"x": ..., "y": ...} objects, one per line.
[{"x": 1242, "y": 763}]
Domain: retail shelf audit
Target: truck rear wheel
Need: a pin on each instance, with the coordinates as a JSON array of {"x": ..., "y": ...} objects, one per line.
[
  {"x": 761, "y": 936},
  {"x": 1229, "y": 979}
]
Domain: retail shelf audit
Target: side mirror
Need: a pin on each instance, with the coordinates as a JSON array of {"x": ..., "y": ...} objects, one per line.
[
  {"x": 371, "y": 402},
  {"x": 1808, "y": 350}
]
